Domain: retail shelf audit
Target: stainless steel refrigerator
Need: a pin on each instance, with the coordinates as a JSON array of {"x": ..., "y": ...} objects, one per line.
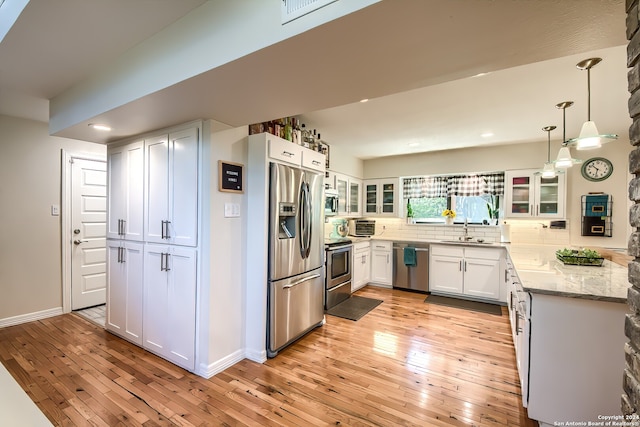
[{"x": 296, "y": 255}]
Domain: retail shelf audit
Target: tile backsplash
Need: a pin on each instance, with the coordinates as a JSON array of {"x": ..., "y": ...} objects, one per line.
[{"x": 515, "y": 231}]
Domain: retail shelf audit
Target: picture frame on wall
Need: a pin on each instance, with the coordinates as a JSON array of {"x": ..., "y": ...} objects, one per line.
[{"x": 230, "y": 177}]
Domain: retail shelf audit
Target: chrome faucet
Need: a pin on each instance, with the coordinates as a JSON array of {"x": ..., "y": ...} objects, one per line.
[{"x": 465, "y": 228}]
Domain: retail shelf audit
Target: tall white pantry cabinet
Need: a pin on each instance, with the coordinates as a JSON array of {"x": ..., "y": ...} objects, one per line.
[{"x": 153, "y": 245}]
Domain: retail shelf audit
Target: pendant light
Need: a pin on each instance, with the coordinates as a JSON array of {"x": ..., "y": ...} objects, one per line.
[
  {"x": 590, "y": 138},
  {"x": 549, "y": 169},
  {"x": 564, "y": 159}
]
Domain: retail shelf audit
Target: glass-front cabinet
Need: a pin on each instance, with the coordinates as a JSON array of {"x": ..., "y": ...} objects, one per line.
[
  {"x": 381, "y": 196},
  {"x": 528, "y": 195},
  {"x": 349, "y": 194}
]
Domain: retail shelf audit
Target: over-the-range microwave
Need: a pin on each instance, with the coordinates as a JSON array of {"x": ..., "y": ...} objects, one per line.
[{"x": 330, "y": 202}]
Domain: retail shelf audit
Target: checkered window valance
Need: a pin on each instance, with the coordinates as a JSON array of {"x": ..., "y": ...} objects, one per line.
[{"x": 453, "y": 185}]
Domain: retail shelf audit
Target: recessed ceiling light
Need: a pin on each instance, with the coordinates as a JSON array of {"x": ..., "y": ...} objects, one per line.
[
  {"x": 487, "y": 134},
  {"x": 364, "y": 100},
  {"x": 413, "y": 144},
  {"x": 98, "y": 126},
  {"x": 480, "y": 75}
]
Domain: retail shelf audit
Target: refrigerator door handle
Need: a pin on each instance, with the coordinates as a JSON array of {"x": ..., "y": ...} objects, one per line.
[
  {"x": 309, "y": 219},
  {"x": 301, "y": 281}
]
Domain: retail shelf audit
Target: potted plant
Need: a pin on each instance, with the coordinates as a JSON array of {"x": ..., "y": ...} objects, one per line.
[
  {"x": 448, "y": 215},
  {"x": 410, "y": 212},
  {"x": 493, "y": 210}
]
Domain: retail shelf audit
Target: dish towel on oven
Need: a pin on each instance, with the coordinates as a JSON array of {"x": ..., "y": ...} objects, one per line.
[{"x": 410, "y": 257}]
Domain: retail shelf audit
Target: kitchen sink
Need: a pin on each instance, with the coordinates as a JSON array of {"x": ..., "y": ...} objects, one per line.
[{"x": 468, "y": 242}]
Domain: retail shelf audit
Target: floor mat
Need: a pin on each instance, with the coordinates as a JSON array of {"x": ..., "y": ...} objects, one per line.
[
  {"x": 465, "y": 304},
  {"x": 354, "y": 308}
]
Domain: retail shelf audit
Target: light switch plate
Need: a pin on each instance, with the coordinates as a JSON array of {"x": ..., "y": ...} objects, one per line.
[
  {"x": 231, "y": 210},
  {"x": 55, "y": 210}
]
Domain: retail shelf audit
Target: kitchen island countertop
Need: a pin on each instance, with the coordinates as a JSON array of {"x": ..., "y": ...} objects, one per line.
[{"x": 540, "y": 272}]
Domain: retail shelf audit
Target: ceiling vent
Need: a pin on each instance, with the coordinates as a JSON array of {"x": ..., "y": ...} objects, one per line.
[{"x": 293, "y": 9}]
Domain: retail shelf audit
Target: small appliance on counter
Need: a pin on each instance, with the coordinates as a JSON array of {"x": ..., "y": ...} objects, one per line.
[
  {"x": 362, "y": 227},
  {"x": 340, "y": 229}
]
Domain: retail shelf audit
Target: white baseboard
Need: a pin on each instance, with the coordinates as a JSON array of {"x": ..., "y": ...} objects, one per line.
[
  {"x": 207, "y": 371},
  {"x": 256, "y": 356},
  {"x": 30, "y": 317}
]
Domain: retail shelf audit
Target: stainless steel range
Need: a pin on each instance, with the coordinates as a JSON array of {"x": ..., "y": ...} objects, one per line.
[{"x": 338, "y": 271}]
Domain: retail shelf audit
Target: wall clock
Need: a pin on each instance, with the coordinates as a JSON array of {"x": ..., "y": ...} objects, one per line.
[{"x": 597, "y": 169}]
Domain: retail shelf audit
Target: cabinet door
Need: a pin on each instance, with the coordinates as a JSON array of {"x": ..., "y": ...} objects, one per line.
[
  {"x": 482, "y": 278},
  {"x": 388, "y": 198},
  {"x": 125, "y": 191},
  {"x": 550, "y": 197},
  {"x": 370, "y": 198},
  {"x": 381, "y": 267},
  {"x": 183, "y": 188},
  {"x": 170, "y": 303},
  {"x": 445, "y": 274},
  {"x": 284, "y": 151},
  {"x": 519, "y": 194},
  {"x": 124, "y": 289},
  {"x": 355, "y": 195},
  {"x": 156, "y": 188},
  {"x": 172, "y": 188},
  {"x": 361, "y": 265},
  {"x": 342, "y": 186}
]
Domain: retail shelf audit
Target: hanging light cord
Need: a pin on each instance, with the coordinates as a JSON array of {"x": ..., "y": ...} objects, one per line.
[{"x": 589, "y": 94}]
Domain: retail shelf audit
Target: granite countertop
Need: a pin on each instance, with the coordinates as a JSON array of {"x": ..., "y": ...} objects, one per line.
[{"x": 540, "y": 272}]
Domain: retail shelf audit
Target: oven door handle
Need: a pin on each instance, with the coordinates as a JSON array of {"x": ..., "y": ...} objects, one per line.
[{"x": 300, "y": 281}]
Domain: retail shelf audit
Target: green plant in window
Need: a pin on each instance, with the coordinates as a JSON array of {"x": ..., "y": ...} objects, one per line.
[
  {"x": 409, "y": 209},
  {"x": 492, "y": 207}
]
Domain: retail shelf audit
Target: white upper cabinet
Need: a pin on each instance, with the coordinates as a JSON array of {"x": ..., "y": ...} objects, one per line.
[
  {"x": 381, "y": 197},
  {"x": 171, "y": 184},
  {"x": 528, "y": 195},
  {"x": 349, "y": 194},
  {"x": 125, "y": 186},
  {"x": 288, "y": 152}
]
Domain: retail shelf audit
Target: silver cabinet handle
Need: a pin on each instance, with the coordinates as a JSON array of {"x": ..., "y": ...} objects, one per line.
[
  {"x": 506, "y": 275},
  {"x": 465, "y": 265},
  {"x": 121, "y": 227},
  {"x": 460, "y": 266},
  {"x": 298, "y": 282},
  {"x": 164, "y": 262},
  {"x": 531, "y": 209},
  {"x": 165, "y": 230},
  {"x": 315, "y": 162},
  {"x": 287, "y": 153}
]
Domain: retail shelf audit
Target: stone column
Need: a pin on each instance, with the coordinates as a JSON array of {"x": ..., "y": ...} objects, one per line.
[{"x": 631, "y": 378}]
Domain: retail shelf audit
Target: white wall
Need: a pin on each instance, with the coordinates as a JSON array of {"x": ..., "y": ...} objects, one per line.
[
  {"x": 526, "y": 156},
  {"x": 344, "y": 163},
  {"x": 227, "y": 246},
  {"x": 30, "y": 182}
]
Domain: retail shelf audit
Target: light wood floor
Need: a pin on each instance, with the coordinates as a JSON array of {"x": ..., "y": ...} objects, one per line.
[{"x": 406, "y": 363}]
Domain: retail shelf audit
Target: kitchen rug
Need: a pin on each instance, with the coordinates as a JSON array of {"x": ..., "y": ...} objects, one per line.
[
  {"x": 354, "y": 308},
  {"x": 465, "y": 304}
]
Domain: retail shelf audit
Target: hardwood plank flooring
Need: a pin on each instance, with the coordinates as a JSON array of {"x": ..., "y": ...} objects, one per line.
[{"x": 406, "y": 363}]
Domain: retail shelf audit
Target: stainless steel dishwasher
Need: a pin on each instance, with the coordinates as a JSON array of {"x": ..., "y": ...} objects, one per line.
[{"x": 415, "y": 276}]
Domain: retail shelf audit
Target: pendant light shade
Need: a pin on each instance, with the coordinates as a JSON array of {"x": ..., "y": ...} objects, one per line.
[
  {"x": 590, "y": 138},
  {"x": 549, "y": 169},
  {"x": 564, "y": 159}
]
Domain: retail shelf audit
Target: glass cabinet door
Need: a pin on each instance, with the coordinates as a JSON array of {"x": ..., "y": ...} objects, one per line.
[
  {"x": 354, "y": 197},
  {"x": 521, "y": 202},
  {"x": 341, "y": 187},
  {"x": 371, "y": 197},
  {"x": 388, "y": 198},
  {"x": 549, "y": 202}
]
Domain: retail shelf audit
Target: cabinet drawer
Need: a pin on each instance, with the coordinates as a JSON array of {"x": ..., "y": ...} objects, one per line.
[
  {"x": 281, "y": 149},
  {"x": 313, "y": 160},
  {"x": 361, "y": 247},
  {"x": 447, "y": 250},
  {"x": 381, "y": 245},
  {"x": 482, "y": 253}
]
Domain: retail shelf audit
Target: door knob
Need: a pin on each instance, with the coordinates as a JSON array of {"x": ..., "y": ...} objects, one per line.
[{"x": 77, "y": 241}]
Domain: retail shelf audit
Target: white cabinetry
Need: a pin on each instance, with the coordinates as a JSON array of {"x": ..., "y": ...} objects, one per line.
[
  {"x": 285, "y": 151},
  {"x": 171, "y": 188},
  {"x": 467, "y": 271},
  {"x": 125, "y": 183},
  {"x": 381, "y": 263},
  {"x": 349, "y": 195},
  {"x": 381, "y": 197},
  {"x": 528, "y": 195},
  {"x": 361, "y": 265},
  {"x": 124, "y": 289},
  {"x": 152, "y": 288},
  {"x": 169, "y": 313}
]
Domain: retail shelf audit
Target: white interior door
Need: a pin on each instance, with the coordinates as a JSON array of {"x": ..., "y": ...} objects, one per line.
[{"x": 88, "y": 233}]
